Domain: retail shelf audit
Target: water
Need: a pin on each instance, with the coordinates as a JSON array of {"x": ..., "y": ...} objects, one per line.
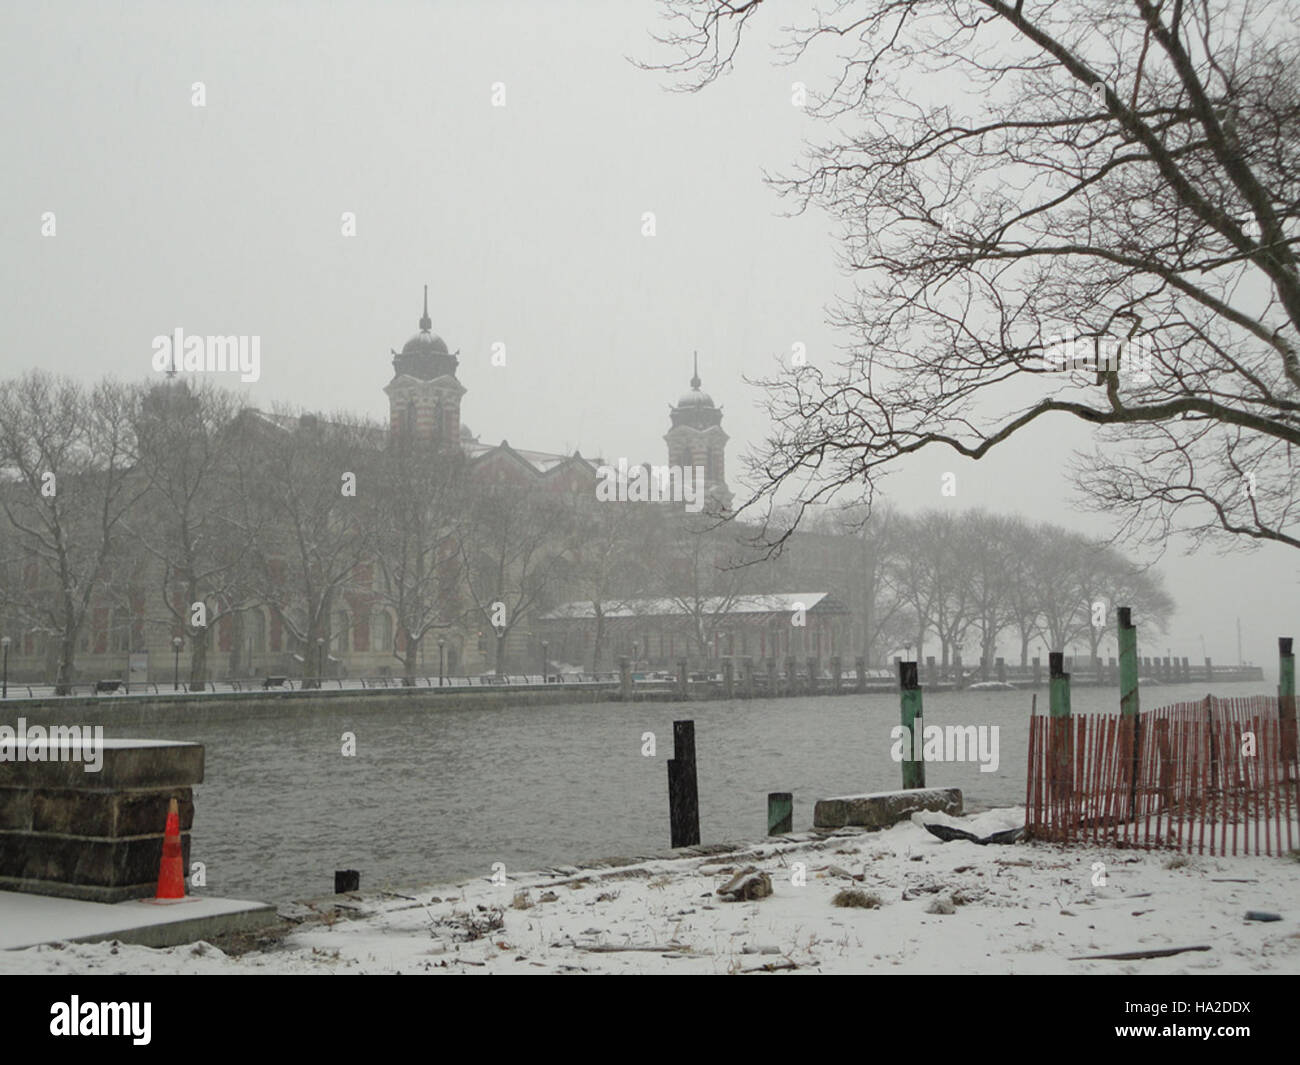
[{"x": 439, "y": 795}]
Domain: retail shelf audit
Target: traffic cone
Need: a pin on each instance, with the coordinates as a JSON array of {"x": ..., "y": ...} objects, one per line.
[{"x": 171, "y": 870}]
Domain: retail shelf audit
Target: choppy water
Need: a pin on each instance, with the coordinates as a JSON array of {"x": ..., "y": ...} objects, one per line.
[{"x": 439, "y": 795}]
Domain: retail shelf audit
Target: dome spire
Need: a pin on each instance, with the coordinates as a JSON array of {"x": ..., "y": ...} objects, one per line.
[
  {"x": 426, "y": 323},
  {"x": 695, "y": 380}
]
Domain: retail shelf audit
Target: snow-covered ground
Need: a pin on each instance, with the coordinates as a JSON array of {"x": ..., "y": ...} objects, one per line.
[{"x": 939, "y": 908}]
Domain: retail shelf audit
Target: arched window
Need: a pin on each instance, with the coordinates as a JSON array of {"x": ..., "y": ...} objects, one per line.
[
  {"x": 120, "y": 640},
  {"x": 339, "y": 643},
  {"x": 381, "y": 631},
  {"x": 255, "y": 622}
]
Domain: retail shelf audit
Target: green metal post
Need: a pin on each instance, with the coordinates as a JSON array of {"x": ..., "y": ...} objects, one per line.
[
  {"x": 1129, "y": 706},
  {"x": 1058, "y": 694},
  {"x": 1286, "y": 698},
  {"x": 780, "y": 812},
  {"x": 910, "y": 699}
]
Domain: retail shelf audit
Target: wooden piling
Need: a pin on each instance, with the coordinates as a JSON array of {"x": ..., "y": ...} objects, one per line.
[
  {"x": 837, "y": 673},
  {"x": 683, "y": 789},
  {"x": 931, "y": 672},
  {"x": 1286, "y": 709},
  {"x": 860, "y": 664},
  {"x": 1001, "y": 664},
  {"x": 780, "y": 812},
  {"x": 683, "y": 680},
  {"x": 747, "y": 668},
  {"x": 771, "y": 677},
  {"x": 1129, "y": 703},
  {"x": 1038, "y": 673},
  {"x": 814, "y": 675},
  {"x": 729, "y": 679},
  {"x": 791, "y": 676},
  {"x": 346, "y": 880},
  {"x": 1062, "y": 762},
  {"x": 625, "y": 678},
  {"x": 1209, "y": 672},
  {"x": 910, "y": 704},
  {"x": 959, "y": 680}
]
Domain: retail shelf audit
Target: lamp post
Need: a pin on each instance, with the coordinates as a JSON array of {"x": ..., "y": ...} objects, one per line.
[
  {"x": 320, "y": 661},
  {"x": 176, "y": 663},
  {"x": 5, "y": 642},
  {"x": 442, "y": 660},
  {"x": 546, "y": 647}
]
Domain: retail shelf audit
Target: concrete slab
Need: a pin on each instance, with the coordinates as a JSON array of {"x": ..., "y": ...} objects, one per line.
[
  {"x": 884, "y": 808},
  {"x": 29, "y": 920}
]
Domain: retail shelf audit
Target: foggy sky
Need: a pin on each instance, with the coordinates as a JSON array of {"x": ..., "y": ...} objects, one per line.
[{"x": 525, "y": 221}]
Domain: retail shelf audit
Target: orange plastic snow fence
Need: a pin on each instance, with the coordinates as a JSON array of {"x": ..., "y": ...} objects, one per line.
[{"x": 171, "y": 870}]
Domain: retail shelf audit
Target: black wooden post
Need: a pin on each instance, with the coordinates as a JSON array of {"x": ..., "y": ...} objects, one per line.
[
  {"x": 683, "y": 790},
  {"x": 346, "y": 880}
]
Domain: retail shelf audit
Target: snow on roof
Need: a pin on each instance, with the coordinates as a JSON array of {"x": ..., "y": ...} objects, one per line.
[{"x": 773, "y": 603}]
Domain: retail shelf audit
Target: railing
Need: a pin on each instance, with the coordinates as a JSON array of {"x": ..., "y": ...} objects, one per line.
[{"x": 256, "y": 685}]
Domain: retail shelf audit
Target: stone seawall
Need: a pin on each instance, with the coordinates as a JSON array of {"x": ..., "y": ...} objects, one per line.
[{"x": 124, "y": 711}]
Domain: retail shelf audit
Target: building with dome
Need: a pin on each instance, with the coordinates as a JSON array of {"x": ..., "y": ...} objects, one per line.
[
  {"x": 696, "y": 439},
  {"x": 425, "y": 397}
]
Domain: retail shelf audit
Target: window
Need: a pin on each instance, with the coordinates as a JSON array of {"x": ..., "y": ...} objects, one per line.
[
  {"x": 256, "y": 625},
  {"x": 382, "y": 632}
]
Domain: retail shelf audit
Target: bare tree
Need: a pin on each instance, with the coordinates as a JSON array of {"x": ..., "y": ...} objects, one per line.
[
  {"x": 190, "y": 520},
  {"x": 1125, "y": 173},
  {"x": 705, "y": 570},
  {"x": 311, "y": 480},
  {"x": 72, "y": 453},
  {"x": 613, "y": 561},
  {"x": 413, "y": 534},
  {"x": 516, "y": 551}
]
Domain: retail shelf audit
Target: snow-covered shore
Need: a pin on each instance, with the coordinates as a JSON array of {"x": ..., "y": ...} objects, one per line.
[{"x": 932, "y": 907}]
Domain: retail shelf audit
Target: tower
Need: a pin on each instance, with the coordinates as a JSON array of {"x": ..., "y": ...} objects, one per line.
[
  {"x": 696, "y": 439},
  {"x": 424, "y": 394}
]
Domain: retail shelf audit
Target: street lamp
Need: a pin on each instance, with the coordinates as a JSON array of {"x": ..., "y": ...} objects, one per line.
[
  {"x": 546, "y": 646},
  {"x": 176, "y": 663},
  {"x": 320, "y": 661},
  {"x": 5, "y": 642},
  {"x": 442, "y": 659}
]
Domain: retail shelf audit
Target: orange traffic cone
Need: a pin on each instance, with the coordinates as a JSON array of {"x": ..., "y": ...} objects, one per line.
[{"x": 171, "y": 870}]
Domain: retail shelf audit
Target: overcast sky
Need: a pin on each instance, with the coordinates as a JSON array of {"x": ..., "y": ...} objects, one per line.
[{"x": 524, "y": 220}]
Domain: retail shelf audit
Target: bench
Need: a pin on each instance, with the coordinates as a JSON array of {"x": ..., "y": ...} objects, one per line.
[{"x": 107, "y": 686}]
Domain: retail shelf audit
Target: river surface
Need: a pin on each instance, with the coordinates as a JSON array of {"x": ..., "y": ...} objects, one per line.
[{"x": 438, "y": 795}]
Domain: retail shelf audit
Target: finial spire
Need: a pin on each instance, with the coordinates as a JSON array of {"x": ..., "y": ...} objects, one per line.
[
  {"x": 695, "y": 380},
  {"x": 426, "y": 323}
]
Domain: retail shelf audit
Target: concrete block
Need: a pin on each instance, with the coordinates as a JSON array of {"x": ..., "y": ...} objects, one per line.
[
  {"x": 127, "y": 764},
  {"x": 884, "y": 808}
]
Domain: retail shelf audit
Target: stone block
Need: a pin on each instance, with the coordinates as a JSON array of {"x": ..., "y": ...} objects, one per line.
[{"x": 884, "y": 808}]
